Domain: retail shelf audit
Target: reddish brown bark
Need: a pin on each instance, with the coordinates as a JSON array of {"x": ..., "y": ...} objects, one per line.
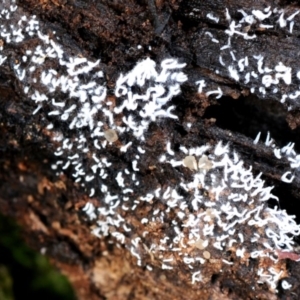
[{"x": 49, "y": 207}]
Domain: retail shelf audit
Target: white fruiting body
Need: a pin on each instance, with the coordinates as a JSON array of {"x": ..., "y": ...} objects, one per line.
[{"x": 223, "y": 205}]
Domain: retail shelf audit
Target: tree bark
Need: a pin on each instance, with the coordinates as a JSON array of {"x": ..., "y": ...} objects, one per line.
[{"x": 48, "y": 204}]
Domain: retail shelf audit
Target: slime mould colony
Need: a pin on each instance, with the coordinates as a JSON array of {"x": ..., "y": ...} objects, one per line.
[{"x": 221, "y": 207}]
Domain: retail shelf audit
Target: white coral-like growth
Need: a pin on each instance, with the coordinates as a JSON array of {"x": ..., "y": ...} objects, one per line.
[
  {"x": 223, "y": 204},
  {"x": 227, "y": 211},
  {"x": 160, "y": 89}
]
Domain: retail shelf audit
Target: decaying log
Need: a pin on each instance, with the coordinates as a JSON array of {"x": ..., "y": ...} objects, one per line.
[{"x": 236, "y": 75}]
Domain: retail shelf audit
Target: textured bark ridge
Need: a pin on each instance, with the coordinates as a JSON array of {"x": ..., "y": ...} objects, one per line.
[{"x": 150, "y": 148}]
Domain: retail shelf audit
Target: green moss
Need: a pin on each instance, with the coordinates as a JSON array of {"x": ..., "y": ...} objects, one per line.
[
  {"x": 6, "y": 292},
  {"x": 25, "y": 273}
]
